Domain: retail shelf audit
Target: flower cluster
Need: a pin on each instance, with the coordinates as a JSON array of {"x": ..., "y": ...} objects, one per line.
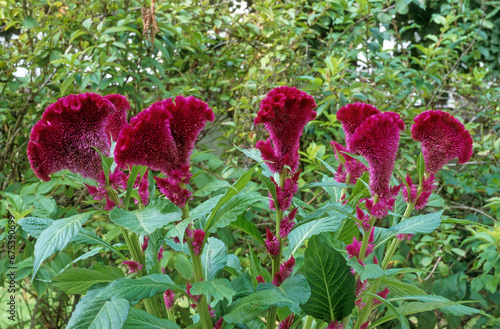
[
  {"x": 287, "y": 323},
  {"x": 133, "y": 267},
  {"x": 284, "y": 194},
  {"x": 168, "y": 298},
  {"x": 287, "y": 223},
  {"x": 272, "y": 243},
  {"x": 117, "y": 179},
  {"x": 286, "y": 269},
  {"x": 353, "y": 249}
]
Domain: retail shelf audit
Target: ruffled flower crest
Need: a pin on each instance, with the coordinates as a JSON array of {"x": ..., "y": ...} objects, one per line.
[
  {"x": 119, "y": 119},
  {"x": 66, "y": 135},
  {"x": 353, "y": 115},
  {"x": 443, "y": 138},
  {"x": 284, "y": 112}
]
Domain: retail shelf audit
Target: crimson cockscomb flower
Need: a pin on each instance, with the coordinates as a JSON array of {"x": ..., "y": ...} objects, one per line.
[
  {"x": 272, "y": 244},
  {"x": 287, "y": 223},
  {"x": 354, "y": 248},
  {"x": 117, "y": 180},
  {"x": 286, "y": 269},
  {"x": 287, "y": 323},
  {"x": 260, "y": 279},
  {"x": 363, "y": 220},
  {"x": 162, "y": 137},
  {"x": 365, "y": 325},
  {"x": 142, "y": 183},
  {"x": 195, "y": 298},
  {"x": 382, "y": 207},
  {"x": 160, "y": 254},
  {"x": 377, "y": 139},
  {"x": 198, "y": 237},
  {"x": 353, "y": 115},
  {"x": 284, "y": 112},
  {"x": 353, "y": 167},
  {"x": 285, "y": 193},
  {"x": 335, "y": 325},
  {"x": 443, "y": 138},
  {"x": 66, "y": 135},
  {"x": 426, "y": 191},
  {"x": 133, "y": 267},
  {"x": 168, "y": 298},
  {"x": 119, "y": 118}
]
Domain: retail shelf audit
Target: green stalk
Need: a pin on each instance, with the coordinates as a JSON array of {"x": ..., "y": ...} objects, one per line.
[
  {"x": 205, "y": 318},
  {"x": 276, "y": 261},
  {"x": 308, "y": 322},
  {"x": 344, "y": 189}
]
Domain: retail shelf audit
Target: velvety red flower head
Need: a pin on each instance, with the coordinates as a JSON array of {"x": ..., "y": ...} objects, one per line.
[
  {"x": 353, "y": 167},
  {"x": 443, "y": 138},
  {"x": 119, "y": 119},
  {"x": 377, "y": 139},
  {"x": 162, "y": 137},
  {"x": 65, "y": 136},
  {"x": 284, "y": 112},
  {"x": 353, "y": 115}
]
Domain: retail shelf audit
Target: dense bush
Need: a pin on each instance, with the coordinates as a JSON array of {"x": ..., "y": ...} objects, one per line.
[{"x": 400, "y": 56}]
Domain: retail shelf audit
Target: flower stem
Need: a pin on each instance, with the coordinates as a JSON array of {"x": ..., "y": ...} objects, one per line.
[
  {"x": 205, "y": 318},
  {"x": 308, "y": 322},
  {"x": 276, "y": 261}
]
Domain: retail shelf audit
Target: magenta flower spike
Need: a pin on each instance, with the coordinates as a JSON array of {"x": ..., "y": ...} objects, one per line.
[
  {"x": 377, "y": 139},
  {"x": 133, "y": 267},
  {"x": 272, "y": 243},
  {"x": 119, "y": 119},
  {"x": 65, "y": 136},
  {"x": 168, "y": 298},
  {"x": 198, "y": 237},
  {"x": 287, "y": 223},
  {"x": 335, "y": 325},
  {"x": 352, "y": 166},
  {"x": 287, "y": 323},
  {"x": 443, "y": 138},
  {"x": 353, "y": 115},
  {"x": 284, "y": 112}
]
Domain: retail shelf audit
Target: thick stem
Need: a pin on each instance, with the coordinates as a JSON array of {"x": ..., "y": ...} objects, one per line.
[{"x": 308, "y": 322}]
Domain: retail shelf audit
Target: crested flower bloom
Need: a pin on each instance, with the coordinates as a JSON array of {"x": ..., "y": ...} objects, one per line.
[
  {"x": 133, "y": 267},
  {"x": 117, "y": 180},
  {"x": 168, "y": 297},
  {"x": 285, "y": 193},
  {"x": 284, "y": 112},
  {"x": 353, "y": 115},
  {"x": 443, "y": 138},
  {"x": 377, "y": 139},
  {"x": 335, "y": 325},
  {"x": 119, "y": 119},
  {"x": 286, "y": 269},
  {"x": 162, "y": 137},
  {"x": 198, "y": 237},
  {"x": 287, "y": 223},
  {"x": 66, "y": 135},
  {"x": 144, "y": 245},
  {"x": 412, "y": 195},
  {"x": 287, "y": 323},
  {"x": 403, "y": 236},
  {"x": 353, "y": 167},
  {"x": 272, "y": 244}
]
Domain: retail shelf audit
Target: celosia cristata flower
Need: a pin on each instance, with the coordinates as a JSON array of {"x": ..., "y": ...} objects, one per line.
[
  {"x": 162, "y": 137},
  {"x": 272, "y": 244},
  {"x": 195, "y": 298},
  {"x": 353, "y": 115},
  {"x": 66, "y": 135},
  {"x": 286, "y": 269},
  {"x": 335, "y": 325},
  {"x": 198, "y": 237},
  {"x": 260, "y": 279},
  {"x": 354, "y": 248},
  {"x": 144, "y": 245},
  {"x": 443, "y": 138},
  {"x": 363, "y": 220},
  {"x": 287, "y": 323},
  {"x": 287, "y": 223},
  {"x": 119, "y": 118},
  {"x": 133, "y": 267},
  {"x": 218, "y": 324},
  {"x": 160, "y": 254},
  {"x": 142, "y": 183},
  {"x": 377, "y": 139},
  {"x": 284, "y": 112},
  {"x": 353, "y": 167},
  {"x": 412, "y": 196},
  {"x": 168, "y": 298},
  {"x": 285, "y": 193},
  {"x": 117, "y": 180},
  {"x": 382, "y": 294},
  {"x": 365, "y": 325}
]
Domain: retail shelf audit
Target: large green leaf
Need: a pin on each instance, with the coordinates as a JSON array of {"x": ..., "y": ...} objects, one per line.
[
  {"x": 236, "y": 188},
  {"x": 300, "y": 234},
  {"x": 400, "y": 288},
  {"x": 395, "y": 311},
  {"x": 248, "y": 308},
  {"x": 248, "y": 227},
  {"x": 414, "y": 225},
  {"x": 156, "y": 215},
  {"x": 139, "y": 319},
  {"x": 369, "y": 271},
  {"x": 212, "y": 187},
  {"x": 205, "y": 208},
  {"x": 96, "y": 313},
  {"x": 217, "y": 288},
  {"x": 255, "y": 154},
  {"x": 56, "y": 237},
  {"x": 214, "y": 258},
  {"x": 35, "y": 225},
  {"x": 295, "y": 289},
  {"x": 332, "y": 284},
  {"x": 137, "y": 289},
  {"x": 79, "y": 280},
  {"x": 455, "y": 309}
]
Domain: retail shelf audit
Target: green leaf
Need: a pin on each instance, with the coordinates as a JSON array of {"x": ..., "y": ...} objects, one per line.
[
  {"x": 56, "y": 237},
  {"x": 401, "y": 7},
  {"x": 271, "y": 187},
  {"x": 295, "y": 289},
  {"x": 96, "y": 313},
  {"x": 414, "y": 225},
  {"x": 212, "y": 187},
  {"x": 137, "y": 289},
  {"x": 214, "y": 258},
  {"x": 255, "y": 154},
  {"x": 420, "y": 167},
  {"x": 80, "y": 280},
  {"x": 118, "y": 29},
  {"x": 248, "y": 308},
  {"x": 89, "y": 237},
  {"x": 29, "y": 22},
  {"x": 237, "y": 187},
  {"x": 400, "y": 288},
  {"x": 87, "y": 23},
  {"x": 249, "y": 228},
  {"x": 301, "y": 233},
  {"x": 332, "y": 284},
  {"x": 35, "y": 225},
  {"x": 218, "y": 289},
  {"x": 156, "y": 215},
  {"x": 455, "y": 309},
  {"x": 205, "y": 208},
  {"x": 369, "y": 271},
  {"x": 402, "y": 319},
  {"x": 139, "y": 319}
]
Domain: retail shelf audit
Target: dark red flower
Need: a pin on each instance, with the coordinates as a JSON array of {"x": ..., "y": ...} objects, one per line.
[
  {"x": 284, "y": 112},
  {"x": 133, "y": 267},
  {"x": 443, "y": 138},
  {"x": 160, "y": 254},
  {"x": 198, "y": 237},
  {"x": 119, "y": 119},
  {"x": 287, "y": 323},
  {"x": 365, "y": 325},
  {"x": 168, "y": 297},
  {"x": 354, "y": 248},
  {"x": 353, "y": 115},
  {"x": 144, "y": 245},
  {"x": 335, "y": 325},
  {"x": 363, "y": 220},
  {"x": 218, "y": 324},
  {"x": 287, "y": 223},
  {"x": 353, "y": 167},
  {"x": 260, "y": 279},
  {"x": 286, "y": 269},
  {"x": 377, "y": 139},
  {"x": 66, "y": 135},
  {"x": 117, "y": 180},
  {"x": 272, "y": 244},
  {"x": 382, "y": 294},
  {"x": 412, "y": 195},
  {"x": 285, "y": 193}
]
